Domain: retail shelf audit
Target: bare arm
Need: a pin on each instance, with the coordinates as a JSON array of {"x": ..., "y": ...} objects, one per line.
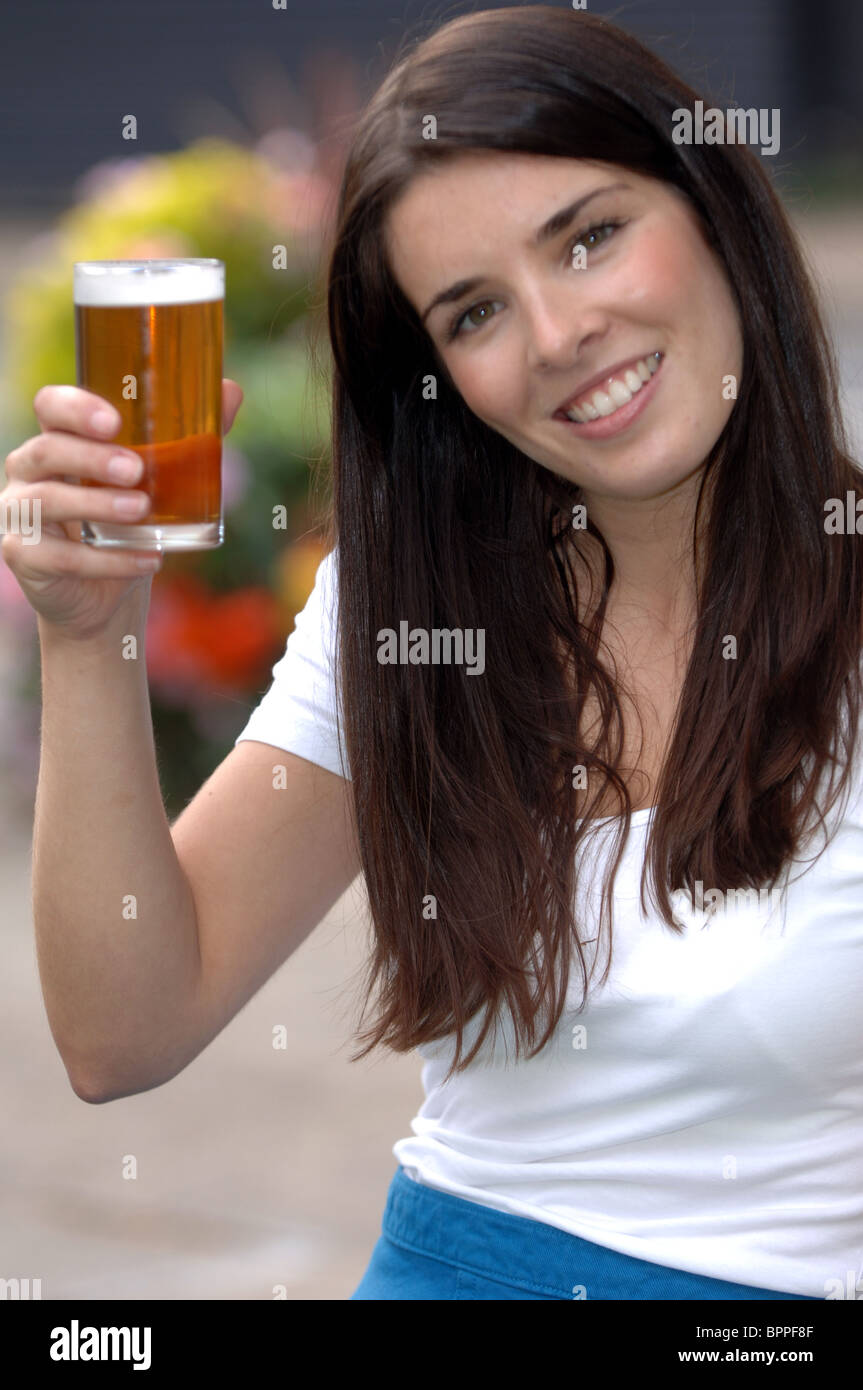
[
  {"x": 117, "y": 972},
  {"x": 150, "y": 937}
]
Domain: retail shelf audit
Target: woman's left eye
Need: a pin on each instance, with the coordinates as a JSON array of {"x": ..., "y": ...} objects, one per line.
[
  {"x": 457, "y": 325},
  {"x": 583, "y": 238}
]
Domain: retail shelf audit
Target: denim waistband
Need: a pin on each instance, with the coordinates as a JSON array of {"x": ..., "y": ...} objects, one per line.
[{"x": 535, "y": 1256}]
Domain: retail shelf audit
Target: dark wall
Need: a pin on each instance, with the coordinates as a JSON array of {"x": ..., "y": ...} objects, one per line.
[{"x": 70, "y": 69}]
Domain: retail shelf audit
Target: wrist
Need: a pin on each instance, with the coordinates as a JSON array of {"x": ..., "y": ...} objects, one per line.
[{"x": 130, "y": 617}]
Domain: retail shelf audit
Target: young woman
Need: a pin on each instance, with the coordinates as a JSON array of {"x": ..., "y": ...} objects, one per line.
[{"x": 580, "y": 670}]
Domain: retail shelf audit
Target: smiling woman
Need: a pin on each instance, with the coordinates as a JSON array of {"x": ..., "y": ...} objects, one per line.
[
  {"x": 557, "y": 334},
  {"x": 553, "y": 305}
]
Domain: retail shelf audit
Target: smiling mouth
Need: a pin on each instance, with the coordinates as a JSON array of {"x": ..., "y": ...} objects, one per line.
[{"x": 615, "y": 391}]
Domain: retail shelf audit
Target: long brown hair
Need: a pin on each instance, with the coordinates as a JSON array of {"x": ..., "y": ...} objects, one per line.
[{"x": 461, "y": 786}]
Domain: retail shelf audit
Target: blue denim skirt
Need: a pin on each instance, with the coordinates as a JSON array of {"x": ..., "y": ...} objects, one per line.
[{"x": 435, "y": 1245}]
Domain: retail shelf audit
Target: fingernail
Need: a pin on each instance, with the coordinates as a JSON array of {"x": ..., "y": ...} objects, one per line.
[
  {"x": 105, "y": 420},
  {"x": 123, "y": 468},
  {"x": 130, "y": 506}
]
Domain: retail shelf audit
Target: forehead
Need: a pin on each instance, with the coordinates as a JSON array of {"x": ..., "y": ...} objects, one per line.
[{"x": 449, "y": 214}]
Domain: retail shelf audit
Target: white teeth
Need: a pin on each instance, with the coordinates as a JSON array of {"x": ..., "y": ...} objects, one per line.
[{"x": 620, "y": 390}]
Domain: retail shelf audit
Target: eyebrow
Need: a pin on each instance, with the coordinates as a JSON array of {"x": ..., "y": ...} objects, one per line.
[{"x": 556, "y": 224}]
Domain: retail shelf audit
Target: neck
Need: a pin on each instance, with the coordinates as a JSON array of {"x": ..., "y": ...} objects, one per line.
[{"x": 650, "y": 540}]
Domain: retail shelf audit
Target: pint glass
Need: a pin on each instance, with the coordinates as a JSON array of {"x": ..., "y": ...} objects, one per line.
[{"x": 148, "y": 338}]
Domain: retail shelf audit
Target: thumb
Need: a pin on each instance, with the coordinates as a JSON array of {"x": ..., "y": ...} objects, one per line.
[{"x": 232, "y": 399}]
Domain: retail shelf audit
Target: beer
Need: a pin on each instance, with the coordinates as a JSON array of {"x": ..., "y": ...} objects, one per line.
[{"x": 148, "y": 338}]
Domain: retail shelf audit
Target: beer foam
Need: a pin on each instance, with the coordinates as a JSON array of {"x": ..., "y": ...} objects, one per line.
[{"x": 124, "y": 283}]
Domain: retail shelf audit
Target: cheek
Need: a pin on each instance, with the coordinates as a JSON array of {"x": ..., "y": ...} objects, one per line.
[
  {"x": 674, "y": 281},
  {"x": 656, "y": 278},
  {"x": 491, "y": 388}
]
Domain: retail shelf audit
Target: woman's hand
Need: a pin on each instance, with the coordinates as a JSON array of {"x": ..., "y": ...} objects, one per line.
[{"x": 71, "y": 585}]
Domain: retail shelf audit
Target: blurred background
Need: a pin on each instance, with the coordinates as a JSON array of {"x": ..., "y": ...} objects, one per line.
[{"x": 258, "y": 1168}]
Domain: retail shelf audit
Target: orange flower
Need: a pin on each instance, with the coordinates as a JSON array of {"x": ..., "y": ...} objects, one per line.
[
  {"x": 297, "y": 564},
  {"x": 202, "y": 643}
]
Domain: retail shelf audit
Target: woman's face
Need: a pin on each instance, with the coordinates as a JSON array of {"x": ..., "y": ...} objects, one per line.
[{"x": 538, "y": 328}]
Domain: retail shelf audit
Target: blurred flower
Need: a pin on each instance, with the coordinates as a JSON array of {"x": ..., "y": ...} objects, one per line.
[
  {"x": 201, "y": 643},
  {"x": 288, "y": 149},
  {"x": 105, "y": 176},
  {"x": 299, "y": 202},
  {"x": 235, "y": 477},
  {"x": 154, "y": 246},
  {"x": 296, "y": 567}
]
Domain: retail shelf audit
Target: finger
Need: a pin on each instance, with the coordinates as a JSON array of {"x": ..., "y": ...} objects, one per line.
[
  {"x": 55, "y": 452},
  {"x": 232, "y": 399},
  {"x": 73, "y": 408},
  {"x": 61, "y": 501},
  {"x": 51, "y": 557}
]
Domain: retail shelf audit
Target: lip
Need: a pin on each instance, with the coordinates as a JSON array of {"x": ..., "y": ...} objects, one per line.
[{"x": 619, "y": 419}]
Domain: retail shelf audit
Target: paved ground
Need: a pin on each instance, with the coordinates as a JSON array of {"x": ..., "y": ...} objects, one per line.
[{"x": 255, "y": 1167}]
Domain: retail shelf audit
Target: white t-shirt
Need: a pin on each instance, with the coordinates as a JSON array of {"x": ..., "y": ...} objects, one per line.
[{"x": 705, "y": 1110}]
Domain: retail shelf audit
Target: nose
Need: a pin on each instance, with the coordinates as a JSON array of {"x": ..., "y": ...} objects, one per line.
[{"x": 559, "y": 325}]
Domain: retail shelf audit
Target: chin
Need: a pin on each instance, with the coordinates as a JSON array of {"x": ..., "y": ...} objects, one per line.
[{"x": 636, "y": 484}]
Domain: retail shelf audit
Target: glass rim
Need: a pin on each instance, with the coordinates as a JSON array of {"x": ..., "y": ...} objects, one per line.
[{"x": 145, "y": 263}]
